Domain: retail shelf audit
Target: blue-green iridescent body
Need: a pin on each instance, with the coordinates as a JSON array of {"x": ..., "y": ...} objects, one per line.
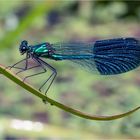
[
  {"x": 106, "y": 57},
  {"x": 42, "y": 50}
]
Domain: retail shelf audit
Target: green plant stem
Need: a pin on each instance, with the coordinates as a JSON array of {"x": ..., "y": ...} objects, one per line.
[{"x": 29, "y": 88}]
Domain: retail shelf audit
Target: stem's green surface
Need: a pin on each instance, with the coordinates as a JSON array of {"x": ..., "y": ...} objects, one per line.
[{"x": 26, "y": 86}]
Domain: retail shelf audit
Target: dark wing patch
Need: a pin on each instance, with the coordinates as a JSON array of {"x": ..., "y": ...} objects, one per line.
[{"x": 117, "y": 55}]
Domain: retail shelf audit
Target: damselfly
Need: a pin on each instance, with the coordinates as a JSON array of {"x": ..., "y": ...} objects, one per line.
[{"x": 105, "y": 57}]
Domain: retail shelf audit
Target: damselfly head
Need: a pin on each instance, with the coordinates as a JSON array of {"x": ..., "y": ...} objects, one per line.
[{"x": 23, "y": 47}]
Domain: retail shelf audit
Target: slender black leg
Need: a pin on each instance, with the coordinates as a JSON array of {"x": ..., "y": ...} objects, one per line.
[
  {"x": 39, "y": 65},
  {"x": 26, "y": 67},
  {"x": 29, "y": 68},
  {"x": 52, "y": 76},
  {"x": 22, "y": 69},
  {"x": 13, "y": 66},
  {"x": 54, "y": 73}
]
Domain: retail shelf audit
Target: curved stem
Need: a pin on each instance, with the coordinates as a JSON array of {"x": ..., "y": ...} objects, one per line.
[{"x": 26, "y": 86}]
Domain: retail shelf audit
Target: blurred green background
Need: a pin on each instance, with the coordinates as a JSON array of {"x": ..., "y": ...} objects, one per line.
[{"x": 24, "y": 116}]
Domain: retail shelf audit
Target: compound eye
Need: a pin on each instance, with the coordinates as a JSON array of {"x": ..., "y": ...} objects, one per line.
[
  {"x": 23, "y": 48},
  {"x": 24, "y": 43}
]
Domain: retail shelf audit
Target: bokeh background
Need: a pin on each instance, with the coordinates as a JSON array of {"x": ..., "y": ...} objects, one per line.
[{"x": 24, "y": 116}]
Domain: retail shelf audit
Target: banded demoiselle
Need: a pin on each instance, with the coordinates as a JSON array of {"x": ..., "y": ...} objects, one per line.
[{"x": 105, "y": 57}]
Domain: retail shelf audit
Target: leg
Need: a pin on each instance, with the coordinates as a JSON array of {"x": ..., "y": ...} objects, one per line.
[
  {"x": 41, "y": 62},
  {"x": 13, "y": 66},
  {"x": 26, "y": 64},
  {"x": 39, "y": 65},
  {"x": 26, "y": 68},
  {"x": 54, "y": 73},
  {"x": 23, "y": 69}
]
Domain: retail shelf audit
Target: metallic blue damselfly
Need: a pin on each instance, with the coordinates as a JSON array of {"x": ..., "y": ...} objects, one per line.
[{"x": 105, "y": 57}]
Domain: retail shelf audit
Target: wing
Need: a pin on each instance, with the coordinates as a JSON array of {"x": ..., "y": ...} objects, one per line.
[
  {"x": 112, "y": 56},
  {"x": 117, "y": 55},
  {"x": 74, "y": 48}
]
